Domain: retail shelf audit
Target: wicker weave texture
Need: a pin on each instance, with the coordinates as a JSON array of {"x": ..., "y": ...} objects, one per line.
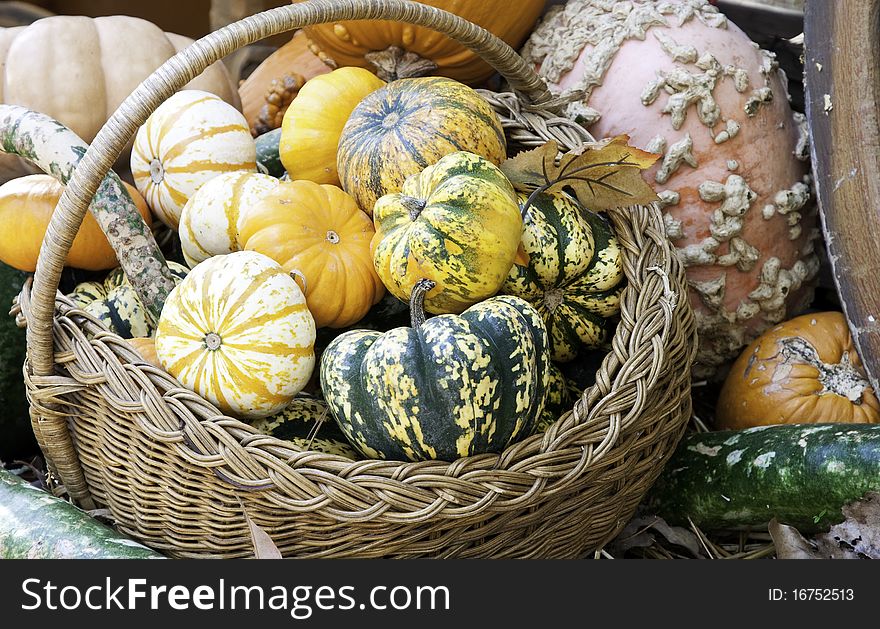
[{"x": 179, "y": 476}]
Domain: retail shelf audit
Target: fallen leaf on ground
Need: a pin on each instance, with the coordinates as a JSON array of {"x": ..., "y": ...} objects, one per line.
[
  {"x": 789, "y": 543},
  {"x": 639, "y": 533},
  {"x": 858, "y": 536},
  {"x": 264, "y": 547}
]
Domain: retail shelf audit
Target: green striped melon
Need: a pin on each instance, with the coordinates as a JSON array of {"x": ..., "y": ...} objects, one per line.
[
  {"x": 453, "y": 386},
  {"x": 190, "y": 138},
  {"x": 557, "y": 401},
  {"x": 407, "y": 125},
  {"x": 573, "y": 273}
]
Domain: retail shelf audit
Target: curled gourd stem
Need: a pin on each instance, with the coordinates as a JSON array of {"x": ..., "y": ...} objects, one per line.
[
  {"x": 296, "y": 273},
  {"x": 417, "y": 301}
]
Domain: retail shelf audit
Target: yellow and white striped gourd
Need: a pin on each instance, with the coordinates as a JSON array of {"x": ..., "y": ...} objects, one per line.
[
  {"x": 237, "y": 331},
  {"x": 190, "y": 138},
  {"x": 211, "y": 219}
]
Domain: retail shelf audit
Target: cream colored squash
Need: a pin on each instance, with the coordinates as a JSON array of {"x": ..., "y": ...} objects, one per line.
[
  {"x": 191, "y": 138},
  {"x": 211, "y": 219},
  {"x": 237, "y": 331},
  {"x": 78, "y": 70}
]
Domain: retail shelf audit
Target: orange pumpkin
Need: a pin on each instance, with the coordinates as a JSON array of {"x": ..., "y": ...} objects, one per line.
[
  {"x": 26, "y": 205},
  {"x": 805, "y": 370},
  {"x": 319, "y": 234},
  {"x": 146, "y": 347},
  {"x": 367, "y": 43}
]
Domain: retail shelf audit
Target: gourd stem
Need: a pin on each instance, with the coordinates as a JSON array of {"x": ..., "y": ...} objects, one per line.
[
  {"x": 396, "y": 63},
  {"x": 417, "y": 301},
  {"x": 412, "y": 205}
]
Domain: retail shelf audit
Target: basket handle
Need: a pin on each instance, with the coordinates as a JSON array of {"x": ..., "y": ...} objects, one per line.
[{"x": 188, "y": 63}]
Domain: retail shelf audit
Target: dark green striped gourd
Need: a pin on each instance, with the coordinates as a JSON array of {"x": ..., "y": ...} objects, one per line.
[
  {"x": 557, "y": 401},
  {"x": 445, "y": 388},
  {"x": 573, "y": 275},
  {"x": 407, "y": 125},
  {"x": 308, "y": 424},
  {"x": 268, "y": 157},
  {"x": 116, "y": 304}
]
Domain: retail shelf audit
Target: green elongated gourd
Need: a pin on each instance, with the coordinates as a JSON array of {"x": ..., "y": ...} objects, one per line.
[
  {"x": 445, "y": 388},
  {"x": 34, "y": 524},
  {"x": 57, "y": 150},
  {"x": 800, "y": 474},
  {"x": 573, "y": 274}
]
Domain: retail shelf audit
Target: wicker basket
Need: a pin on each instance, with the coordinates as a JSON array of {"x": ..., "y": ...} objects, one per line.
[{"x": 179, "y": 476}]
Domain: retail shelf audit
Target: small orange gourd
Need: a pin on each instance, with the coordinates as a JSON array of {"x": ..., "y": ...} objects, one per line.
[
  {"x": 318, "y": 233},
  {"x": 804, "y": 370},
  {"x": 26, "y": 206}
]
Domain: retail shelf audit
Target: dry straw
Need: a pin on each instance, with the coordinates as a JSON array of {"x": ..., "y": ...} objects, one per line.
[{"x": 175, "y": 473}]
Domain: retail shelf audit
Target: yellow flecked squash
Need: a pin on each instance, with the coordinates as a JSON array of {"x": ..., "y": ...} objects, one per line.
[
  {"x": 237, "y": 331},
  {"x": 448, "y": 387},
  {"x": 407, "y": 125},
  {"x": 458, "y": 224}
]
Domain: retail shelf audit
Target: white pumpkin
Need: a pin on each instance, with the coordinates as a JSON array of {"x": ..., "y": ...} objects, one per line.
[
  {"x": 237, "y": 331},
  {"x": 190, "y": 138},
  {"x": 683, "y": 81},
  {"x": 211, "y": 219}
]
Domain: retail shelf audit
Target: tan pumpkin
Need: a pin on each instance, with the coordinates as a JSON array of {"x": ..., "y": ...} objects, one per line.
[
  {"x": 26, "y": 206},
  {"x": 421, "y": 51},
  {"x": 78, "y": 70},
  {"x": 804, "y": 370},
  {"x": 318, "y": 233}
]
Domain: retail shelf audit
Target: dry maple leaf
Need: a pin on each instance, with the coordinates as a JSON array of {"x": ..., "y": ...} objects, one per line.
[{"x": 603, "y": 175}]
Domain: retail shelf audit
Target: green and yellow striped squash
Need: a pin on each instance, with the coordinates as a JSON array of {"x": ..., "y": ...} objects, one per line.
[
  {"x": 307, "y": 423},
  {"x": 457, "y": 223},
  {"x": 116, "y": 304},
  {"x": 574, "y": 273},
  {"x": 409, "y": 124},
  {"x": 211, "y": 219},
  {"x": 557, "y": 401},
  {"x": 237, "y": 331},
  {"x": 450, "y": 387},
  {"x": 190, "y": 138}
]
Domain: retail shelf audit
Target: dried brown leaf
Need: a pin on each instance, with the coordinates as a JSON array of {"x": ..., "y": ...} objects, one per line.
[
  {"x": 264, "y": 547},
  {"x": 858, "y": 536},
  {"x": 602, "y": 175},
  {"x": 789, "y": 543},
  {"x": 639, "y": 533}
]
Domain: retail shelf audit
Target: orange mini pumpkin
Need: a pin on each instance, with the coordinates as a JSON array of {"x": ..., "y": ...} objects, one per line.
[
  {"x": 802, "y": 371},
  {"x": 319, "y": 234},
  {"x": 26, "y": 205}
]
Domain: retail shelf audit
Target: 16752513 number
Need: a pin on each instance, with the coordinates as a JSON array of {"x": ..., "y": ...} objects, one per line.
[{"x": 812, "y": 594}]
